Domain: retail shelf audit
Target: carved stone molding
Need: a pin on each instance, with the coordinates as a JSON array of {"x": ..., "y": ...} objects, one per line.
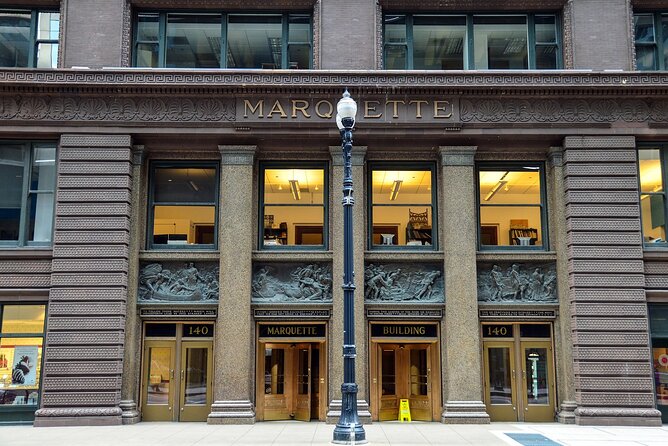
[
  {"x": 382, "y": 82},
  {"x": 357, "y": 156},
  {"x": 178, "y": 282},
  {"x": 403, "y": 282},
  {"x": 517, "y": 282},
  {"x": 292, "y": 282},
  {"x": 237, "y": 155},
  {"x": 457, "y": 155},
  {"x": 79, "y": 412},
  {"x": 115, "y": 109}
]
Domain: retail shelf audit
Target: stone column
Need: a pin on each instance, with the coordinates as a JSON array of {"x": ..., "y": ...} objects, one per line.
[
  {"x": 83, "y": 355},
  {"x": 562, "y": 330},
  {"x": 462, "y": 380},
  {"x": 613, "y": 374},
  {"x": 336, "y": 325},
  {"x": 132, "y": 351},
  {"x": 234, "y": 338}
]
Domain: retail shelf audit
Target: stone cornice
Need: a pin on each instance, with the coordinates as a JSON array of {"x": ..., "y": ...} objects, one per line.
[{"x": 168, "y": 82}]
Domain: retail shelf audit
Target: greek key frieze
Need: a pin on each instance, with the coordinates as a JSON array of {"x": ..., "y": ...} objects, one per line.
[
  {"x": 517, "y": 282},
  {"x": 293, "y": 282},
  {"x": 403, "y": 283}
]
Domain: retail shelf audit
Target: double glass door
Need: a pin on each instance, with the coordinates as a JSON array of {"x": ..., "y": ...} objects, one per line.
[
  {"x": 519, "y": 379},
  {"x": 290, "y": 383},
  {"x": 404, "y": 372},
  {"x": 176, "y": 384}
]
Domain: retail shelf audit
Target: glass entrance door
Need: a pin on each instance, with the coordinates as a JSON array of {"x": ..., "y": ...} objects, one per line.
[
  {"x": 291, "y": 381},
  {"x": 405, "y": 373},
  {"x": 195, "y": 401},
  {"x": 500, "y": 381},
  {"x": 537, "y": 386},
  {"x": 519, "y": 373},
  {"x": 159, "y": 389}
]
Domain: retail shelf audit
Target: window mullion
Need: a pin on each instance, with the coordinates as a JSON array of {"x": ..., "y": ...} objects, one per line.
[
  {"x": 658, "y": 43},
  {"x": 32, "y": 56},
  {"x": 24, "y": 195},
  {"x": 223, "y": 43},
  {"x": 531, "y": 42},
  {"x": 409, "y": 42},
  {"x": 162, "y": 40},
  {"x": 285, "y": 21},
  {"x": 470, "y": 58}
]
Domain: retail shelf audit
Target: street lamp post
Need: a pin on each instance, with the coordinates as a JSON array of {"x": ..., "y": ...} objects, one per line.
[{"x": 349, "y": 429}]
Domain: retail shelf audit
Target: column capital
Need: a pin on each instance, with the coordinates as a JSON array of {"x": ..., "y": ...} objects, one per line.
[
  {"x": 237, "y": 155},
  {"x": 555, "y": 156},
  {"x": 357, "y": 156},
  {"x": 457, "y": 155},
  {"x": 138, "y": 152}
]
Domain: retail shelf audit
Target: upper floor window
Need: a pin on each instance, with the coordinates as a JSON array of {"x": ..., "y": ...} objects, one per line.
[
  {"x": 402, "y": 205},
  {"x": 183, "y": 206},
  {"x": 293, "y": 207},
  {"x": 471, "y": 42},
  {"x": 29, "y": 38},
  {"x": 217, "y": 40},
  {"x": 651, "y": 164},
  {"x": 511, "y": 200},
  {"x": 651, "y": 39},
  {"x": 27, "y": 182}
]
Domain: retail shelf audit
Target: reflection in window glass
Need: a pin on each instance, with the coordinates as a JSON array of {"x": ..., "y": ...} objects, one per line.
[
  {"x": 184, "y": 205},
  {"x": 15, "y": 38},
  {"x": 193, "y": 41},
  {"x": 254, "y": 41},
  {"x": 511, "y": 210},
  {"x": 500, "y": 42},
  {"x": 419, "y": 374},
  {"x": 499, "y": 369},
  {"x": 438, "y": 42},
  {"x": 40, "y": 198},
  {"x": 651, "y": 41},
  {"x": 402, "y": 209},
  {"x": 652, "y": 195},
  {"x": 274, "y": 371},
  {"x": 293, "y": 211},
  {"x": 388, "y": 375},
  {"x": 22, "y": 319},
  {"x": 536, "y": 376},
  {"x": 196, "y": 376},
  {"x": 11, "y": 178},
  {"x": 159, "y": 375},
  {"x": 146, "y": 49}
]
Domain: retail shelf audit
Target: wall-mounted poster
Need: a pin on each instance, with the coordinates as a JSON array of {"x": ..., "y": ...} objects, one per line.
[{"x": 24, "y": 365}]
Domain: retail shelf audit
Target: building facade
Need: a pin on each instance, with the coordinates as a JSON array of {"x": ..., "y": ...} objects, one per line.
[{"x": 171, "y": 243}]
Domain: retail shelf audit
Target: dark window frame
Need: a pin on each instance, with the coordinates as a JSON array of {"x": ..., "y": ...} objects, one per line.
[
  {"x": 162, "y": 33},
  {"x": 151, "y": 204},
  {"x": 402, "y": 166},
  {"x": 324, "y": 165},
  {"x": 513, "y": 166},
  {"x": 663, "y": 157},
  {"x": 657, "y": 45},
  {"x": 26, "y": 191},
  {"x": 11, "y": 408},
  {"x": 34, "y": 40},
  {"x": 469, "y": 56}
]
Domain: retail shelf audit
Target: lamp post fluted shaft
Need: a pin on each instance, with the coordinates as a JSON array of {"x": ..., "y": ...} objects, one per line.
[{"x": 349, "y": 420}]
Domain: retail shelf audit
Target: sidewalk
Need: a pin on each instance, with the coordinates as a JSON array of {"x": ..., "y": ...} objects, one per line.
[{"x": 298, "y": 433}]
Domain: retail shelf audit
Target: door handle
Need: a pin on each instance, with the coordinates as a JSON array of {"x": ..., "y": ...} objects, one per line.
[
  {"x": 183, "y": 375},
  {"x": 512, "y": 376},
  {"x": 171, "y": 374},
  {"x": 322, "y": 380}
]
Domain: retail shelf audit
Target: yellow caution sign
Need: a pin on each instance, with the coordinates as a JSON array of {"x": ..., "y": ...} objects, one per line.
[{"x": 404, "y": 411}]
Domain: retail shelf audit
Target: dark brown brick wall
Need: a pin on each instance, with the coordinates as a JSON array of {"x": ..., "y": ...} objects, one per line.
[
  {"x": 87, "y": 302},
  {"x": 613, "y": 378},
  {"x": 348, "y": 37}
]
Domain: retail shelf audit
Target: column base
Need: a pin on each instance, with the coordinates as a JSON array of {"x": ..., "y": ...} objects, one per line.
[
  {"x": 78, "y": 416},
  {"x": 334, "y": 412},
  {"x": 464, "y": 412},
  {"x": 130, "y": 413},
  {"x": 617, "y": 416},
  {"x": 232, "y": 412},
  {"x": 566, "y": 413}
]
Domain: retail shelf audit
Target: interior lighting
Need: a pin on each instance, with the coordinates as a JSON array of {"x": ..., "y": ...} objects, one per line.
[
  {"x": 497, "y": 186},
  {"x": 395, "y": 189},
  {"x": 295, "y": 190}
]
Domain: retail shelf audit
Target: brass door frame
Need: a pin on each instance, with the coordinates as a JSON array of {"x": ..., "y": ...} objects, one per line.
[
  {"x": 501, "y": 412},
  {"x": 176, "y": 343},
  {"x": 158, "y": 412},
  {"x": 434, "y": 367},
  {"x": 524, "y": 411},
  {"x": 290, "y": 382}
]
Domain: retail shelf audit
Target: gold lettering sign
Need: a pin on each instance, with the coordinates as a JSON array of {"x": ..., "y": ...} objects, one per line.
[
  {"x": 442, "y": 106},
  {"x": 303, "y": 105},
  {"x": 330, "y": 109},
  {"x": 248, "y": 106},
  {"x": 277, "y": 108}
]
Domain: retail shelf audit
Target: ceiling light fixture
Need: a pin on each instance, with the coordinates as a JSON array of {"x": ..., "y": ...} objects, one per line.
[
  {"x": 294, "y": 189},
  {"x": 497, "y": 186},
  {"x": 395, "y": 189},
  {"x": 193, "y": 185}
]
